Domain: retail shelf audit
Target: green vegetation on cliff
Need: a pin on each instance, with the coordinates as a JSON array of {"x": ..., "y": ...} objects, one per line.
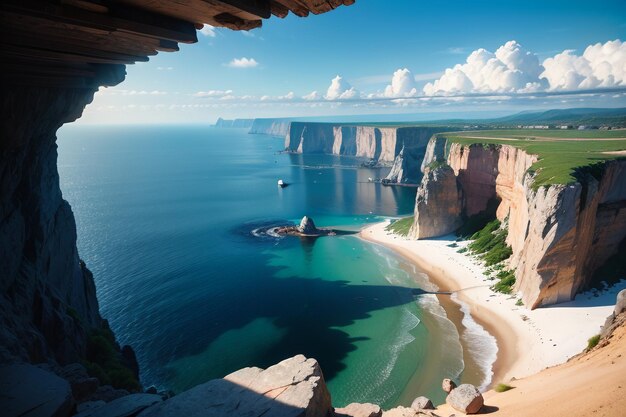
[
  {"x": 401, "y": 226},
  {"x": 489, "y": 244},
  {"x": 561, "y": 153},
  {"x": 105, "y": 362}
]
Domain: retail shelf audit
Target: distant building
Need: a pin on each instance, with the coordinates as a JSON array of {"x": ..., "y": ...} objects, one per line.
[{"x": 565, "y": 127}]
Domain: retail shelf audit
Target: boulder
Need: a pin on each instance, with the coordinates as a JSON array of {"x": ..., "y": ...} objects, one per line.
[
  {"x": 294, "y": 387},
  {"x": 30, "y": 391},
  {"x": 422, "y": 403},
  {"x": 359, "y": 410},
  {"x": 307, "y": 226},
  {"x": 466, "y": 398},
  {"x": 448, "y": 385},
  {"x": 107, "y": 394},
  {"x": 83, "y": 386},
  {"x": 126, "y": 406},
  {"x": 438, "y": 204},
  {"x": 400, "y": 412},
  {"x": 89, "y": 405}
]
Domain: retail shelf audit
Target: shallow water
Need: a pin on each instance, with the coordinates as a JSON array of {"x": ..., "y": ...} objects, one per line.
[{"x": 165, "y": 220}]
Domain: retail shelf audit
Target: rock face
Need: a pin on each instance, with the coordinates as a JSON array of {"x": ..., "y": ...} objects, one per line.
[
  {"x": 380, "y": 144},
  {"x": 447, "y": 385},
  {"x": 307, "y": 226},
  {"x": 359, "y": 410},
  {"x": 559, "y": 234},
  {"x": 30, "y": 391},
  {"x": 271, "y": 127},
  {"x": 403, "y": 170},
  {"x": 466, "y": 398},
  {"x": 127, "y": 406},
  {"x": 294, "y": 387},
  {"x": 47, "y": 295},
  {"x": 438, "y": 204},
  {"x": 422, "y": 403},
  {"x": 234, "y": 123}
]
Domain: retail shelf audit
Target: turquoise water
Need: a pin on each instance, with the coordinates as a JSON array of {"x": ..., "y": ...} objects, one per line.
[{"x": 169, "y": 221}]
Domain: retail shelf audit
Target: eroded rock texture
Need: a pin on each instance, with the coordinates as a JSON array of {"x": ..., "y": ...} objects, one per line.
[
  {"x": 47, "y": 295},
  {"x": 380, "y": 144},
  {"x": 438, "y": 204},
  {"x": 559, "y": 234},
  {"x": 294, "y": 387}
]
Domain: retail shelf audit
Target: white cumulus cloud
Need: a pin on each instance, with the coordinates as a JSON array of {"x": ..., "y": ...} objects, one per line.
[
  {"x": 600, "y": 65},
  {"x": 340, "y": 89},
  {"x": 402, "y": 84},
  {"x": 313, "y": 95},
  {"x": 243, "y": 63},
  {"x": 208, "y": 30},
  {"x": 213, "y": 93},
  {"x": 510, "y": 69}
]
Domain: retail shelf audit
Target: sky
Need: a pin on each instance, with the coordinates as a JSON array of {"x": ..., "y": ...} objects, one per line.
[{"x": 478, "y": 58}]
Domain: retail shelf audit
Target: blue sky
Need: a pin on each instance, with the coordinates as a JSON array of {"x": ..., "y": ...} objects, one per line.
[{"x": 365, "y": 44}]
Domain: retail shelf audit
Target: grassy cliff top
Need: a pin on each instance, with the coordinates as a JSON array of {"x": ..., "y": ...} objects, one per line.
[{"x": 561, "y": 152}]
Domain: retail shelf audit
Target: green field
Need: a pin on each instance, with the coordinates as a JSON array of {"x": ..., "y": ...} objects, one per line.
[
  {"x": 558, "y": 158},
  {"x": 547, "y": 133}
]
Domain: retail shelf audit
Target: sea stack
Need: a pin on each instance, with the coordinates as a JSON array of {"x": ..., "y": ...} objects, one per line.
[{"x": 307, "y": 226}]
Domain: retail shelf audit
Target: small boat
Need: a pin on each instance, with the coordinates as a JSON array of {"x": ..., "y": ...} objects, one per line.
[
  {"x": 282, "y": 184},
  {"x": 370, "y": 179}
]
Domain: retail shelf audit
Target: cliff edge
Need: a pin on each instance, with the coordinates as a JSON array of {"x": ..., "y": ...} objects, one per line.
[{"x": 560, "y": 234}]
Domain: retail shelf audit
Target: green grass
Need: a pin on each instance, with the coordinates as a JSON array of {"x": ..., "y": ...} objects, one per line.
[
  {"x": 558, "y": 159},
  {"x": 547, "y": 133},
  {"x": 501, "y": 387},
  {"x": 401, "y": 226},
  {"x": 104, "y": 361},
  {"x": 506, "y": 280},
  {"x": 593, "y": 342},
  {"x": 490, "y": 243},
  {"x": 437, "y": 164}
]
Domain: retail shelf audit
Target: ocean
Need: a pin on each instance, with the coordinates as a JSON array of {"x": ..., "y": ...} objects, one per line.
[{"x": 171, "y": 222}]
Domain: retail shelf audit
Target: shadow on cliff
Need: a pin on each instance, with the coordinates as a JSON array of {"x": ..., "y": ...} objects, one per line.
[{"x": 297, "y": 315}]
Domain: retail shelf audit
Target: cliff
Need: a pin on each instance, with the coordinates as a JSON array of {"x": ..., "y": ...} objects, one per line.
[
  {"x": 271, "y": 127},
  {"x": 47, "y": 300},
  {"x": 234, "y": 123},
  {"x": 404, "y": 147},
  {"x": 559, "y": 234}
]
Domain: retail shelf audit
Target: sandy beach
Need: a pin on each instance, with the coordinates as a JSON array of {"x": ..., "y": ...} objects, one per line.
[{"x": 528, "y": 340}]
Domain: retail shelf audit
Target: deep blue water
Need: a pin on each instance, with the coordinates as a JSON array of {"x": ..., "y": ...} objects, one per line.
[{"x": 165, "y": 220}]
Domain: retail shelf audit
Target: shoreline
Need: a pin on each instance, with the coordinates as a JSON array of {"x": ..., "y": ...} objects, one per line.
[{"x": 528, "y": 341}]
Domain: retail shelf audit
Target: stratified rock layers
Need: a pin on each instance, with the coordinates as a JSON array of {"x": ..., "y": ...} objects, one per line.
[
  {"x": 381, "y": 144},
  {"x": 272, "y": 127},
  {"x": 438, "y": 205},
  {"x": 47, "y": 295},
  {"x": 559, "y": 234}
]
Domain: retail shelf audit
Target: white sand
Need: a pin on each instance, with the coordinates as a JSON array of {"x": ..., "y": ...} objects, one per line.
[{"x": 544, "y": 337}]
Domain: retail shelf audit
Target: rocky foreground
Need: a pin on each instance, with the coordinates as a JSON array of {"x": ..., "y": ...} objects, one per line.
[{"x": 295, "y": 387}]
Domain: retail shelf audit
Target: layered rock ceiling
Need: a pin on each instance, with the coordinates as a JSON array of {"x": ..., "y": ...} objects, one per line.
[{"x": 57, "y": 42}]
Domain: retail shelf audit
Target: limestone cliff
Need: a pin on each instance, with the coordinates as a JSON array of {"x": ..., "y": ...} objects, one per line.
[
  {"x": 438, "y": 205},
  {"x": 47, "y": 297},
  {"x": 559, "y": 234},
  {"x": 271, "y": 127},
  {"x": 380, "y": 144},
  {"x": 234, "y": 123}
]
